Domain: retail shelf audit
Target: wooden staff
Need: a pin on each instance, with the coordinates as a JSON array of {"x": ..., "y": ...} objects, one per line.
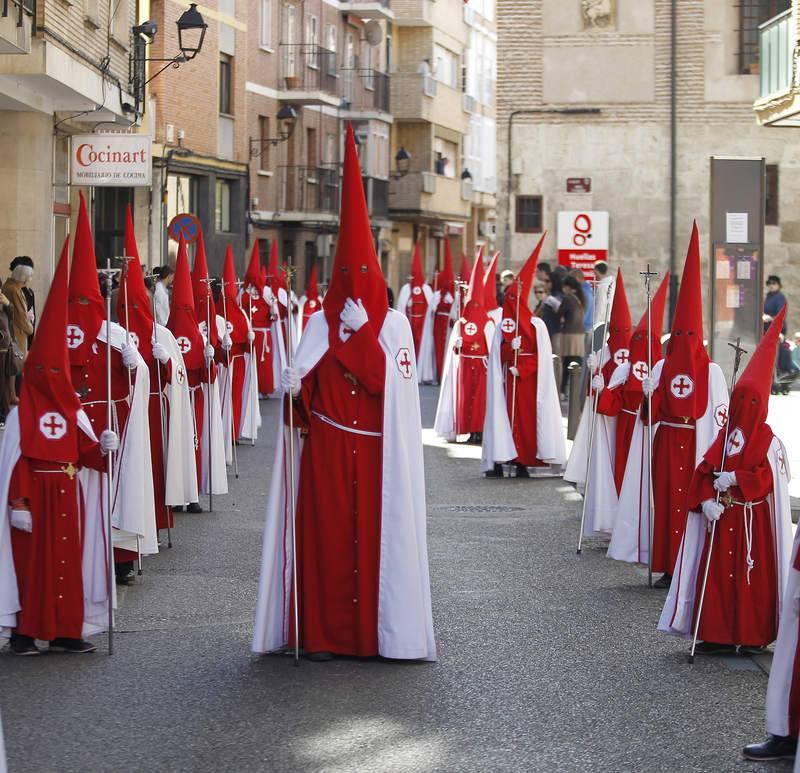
[{"x": 648, "y": 276}]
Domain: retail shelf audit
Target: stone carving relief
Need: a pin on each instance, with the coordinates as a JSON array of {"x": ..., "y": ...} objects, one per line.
[{"x": 598, "y": 14}]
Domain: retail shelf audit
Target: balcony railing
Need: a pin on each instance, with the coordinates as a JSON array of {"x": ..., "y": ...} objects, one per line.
[
  {"x": 307, "y": 67},
  {"x": 22, "y": 7},
  {"x": 366, "y": 89},
  {"x": 309, "y": 189},
  {"x": 777, "y": 46}
]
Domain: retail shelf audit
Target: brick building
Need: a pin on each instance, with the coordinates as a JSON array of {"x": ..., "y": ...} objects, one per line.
[{"x": 561, "y": 59}]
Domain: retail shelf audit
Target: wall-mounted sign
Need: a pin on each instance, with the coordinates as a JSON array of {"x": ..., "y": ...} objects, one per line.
[
  {"x": 579, "y": 184},
  {"x": 185, "y": 225},
  {"x": 582, "y": 239},
  {"x": 115, "y": 160}
]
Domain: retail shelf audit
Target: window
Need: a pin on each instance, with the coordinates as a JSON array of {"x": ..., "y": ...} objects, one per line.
[
  {"x": 265, "y": 24},
  {"x": 225, "y": 95},
  {"x": 529, "y": 214},
  {"x": 331, "y": 41},
  {"x": 223, "y": 206},
  {"x": 330, "y": 149},
  {"x": 445, "y": 66},
  {"x": 263, "y": 135},
  {"x": 445, "y": 157},
  {"x": 772, "y": 214},
  {"x": 751, "y": 14},
  {"x": 312, "y": 40},
  {"x": 311, "y": 148}
]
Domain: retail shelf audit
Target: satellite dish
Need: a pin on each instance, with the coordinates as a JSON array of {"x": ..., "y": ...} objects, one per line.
[{"x": 373, "y": 32}]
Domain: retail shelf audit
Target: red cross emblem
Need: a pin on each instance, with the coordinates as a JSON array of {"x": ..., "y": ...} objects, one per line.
[
  {"x": 184, "y": 344},
  {"x": 621, "y": 356},
  {"x": 134, "y": 339},
  {"x": 416, "y": 290},
  {"x": 470, "y": 329},
  {"x": 229, "y": 326},
  {"x": 403, "y": 360},
  {"x": 640, "y": 370},
  {"x": 681, "y": 385},
  {"x": 74, "y": 336},
  {"x": 52, "y": 425},
  {"x": 180, "y": 375},
  {"x": 508, "y": 325},
  {"x": 721, "y": 415},
  {"x": 736, "y": 442},
  {"x": 312, "y": 304}
]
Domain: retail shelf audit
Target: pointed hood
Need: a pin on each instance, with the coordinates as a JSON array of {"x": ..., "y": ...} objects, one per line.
[
  {"x": 48, "y": 404},
  {"x": 490, "y": 284},
  {"x": 313, "y": 302},
  {"x": 356, "y": 270},
  {"x": 447, "y": 278},
  {"x": 276, "y": 275},
  {"x": 204, "y": 306},
  {"x": 620, "y": 328},
  {"x": 473, "y": 315},
  {"x": 133, "y": 301},
  {"x": 466, "y": 270},
  {"x": 638, "y": 345},
  {"x": 417, "y": 278},
  {"x": 475, "y": 292},
  {"x": 235, "y": 319},
  {"x": 182, "y": 320},
  {"x": 86, "y": 305},
  {"x": 254, "y": 277},
  {"x": 264, "y": 279},
  {"x": 684, "y": 378},
  {"x": 521, "y": 288}
]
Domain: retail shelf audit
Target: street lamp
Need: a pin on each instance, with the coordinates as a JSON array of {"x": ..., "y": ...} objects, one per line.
[
  {"x": 466, "y": 174},
  {"x": 191, "y": 32},
  {"x": 287, "y": 119},
  {"x": 402, "y": 163}
]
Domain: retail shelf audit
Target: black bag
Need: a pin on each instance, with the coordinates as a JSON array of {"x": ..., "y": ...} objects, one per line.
[{"x": 14, "y": 360}]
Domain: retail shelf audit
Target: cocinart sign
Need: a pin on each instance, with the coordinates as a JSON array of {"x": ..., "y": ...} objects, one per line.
[{"x": 121, "y": 160}]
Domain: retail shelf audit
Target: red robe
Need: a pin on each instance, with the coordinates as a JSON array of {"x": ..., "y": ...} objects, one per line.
[
  {"x": 471, "y": 387},
  {"x": 625, "y": 406},
  {"x": 339, "y": 499},
  {"x": 262, "y": 346},
  {"x": 416, "y": 310},
  {"x": 794, "y": 691},
  {"x": 196, "y": 378},
  {"x": 236, "y": 359},
  {"x": 524, "y": 401},
  {"x": 164, "y": 515},
  {"x": 442, "y": 326},
  {"x": 48, "y": 560},
  {"x": 740, "y": 607}
]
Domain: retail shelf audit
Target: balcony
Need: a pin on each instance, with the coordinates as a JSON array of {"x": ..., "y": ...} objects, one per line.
[
  {"x": 365, "y": 90},
  {"x": 308, "y": 194},
  {"x": 428, "y": 197},
  {"x": 17, "y": 26},
  {"x": 417, "y": 97},
  {"x": 308, "y": 75},
  {"x": 377, "y": 193},
  {"x": 368, "y": 9},
  {"x": 779, "y": 100}
]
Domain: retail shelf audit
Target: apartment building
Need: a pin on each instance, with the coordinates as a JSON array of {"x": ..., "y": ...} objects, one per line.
[{"x": 585, "y": 93}]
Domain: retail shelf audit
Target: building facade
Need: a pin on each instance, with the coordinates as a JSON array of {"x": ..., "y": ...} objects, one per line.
[{"x": 585, "y": 90}]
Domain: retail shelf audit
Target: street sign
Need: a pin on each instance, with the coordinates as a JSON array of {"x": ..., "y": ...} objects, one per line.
[
  {"x": 579, "y": 184},
  {"x": 582, "y": 239},
  {"x": 111, "y": 160},
  {"x": 185, "y": 224}
]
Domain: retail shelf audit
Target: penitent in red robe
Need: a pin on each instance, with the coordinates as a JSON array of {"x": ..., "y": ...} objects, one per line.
[
  {"x": 164, "y": 515},
  {"x": 338, "y": 520},
  {"x": 740, "y": 607},
  {"x": 262, "y": 346},
  {"x": 416, "y": 310},
  {"x": 471, "y": 387},
  {"x": 441, "y": 333},
  {"x": 48, "y": 560},
  {"x": 625, "y": 405}
]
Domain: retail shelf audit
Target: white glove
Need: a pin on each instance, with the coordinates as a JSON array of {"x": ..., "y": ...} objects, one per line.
[
  {"x": 274, "y": 311},
  {"x": 227, "y": 344},
  {"x": 724, "y": 481},
  {"x": 251, "y": 336},
  {"x": 160, "y": 353},
  {"x": 458, "y": 343},
  {"x": 209, "y": 353},
  {"x": 649, "y": 385},
  {"x": 22, "y": 520},
  {"x": 109, "y": 441},
  {"x": 448, "y": 298},
  {"x": 513, "y": 371},
  {"x": 516, "y": 343},
  {"x": 712, "y": 510},
  {"x": 354, "y": 315},
  {"x": 130, "y": 356},
  {"x": 290, "y": 381},
  {"x": 598, "y": 382},
  {"x": 592, "y": 362}
]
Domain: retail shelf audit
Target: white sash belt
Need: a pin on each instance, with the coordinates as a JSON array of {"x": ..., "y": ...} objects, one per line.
[{"x": 332, "y": 423}]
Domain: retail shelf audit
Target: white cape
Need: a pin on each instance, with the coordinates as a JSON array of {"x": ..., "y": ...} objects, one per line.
[
  {"x": 678, "y": 612},
  {"x": 426, "y": 362},
  {"x": 405, "y": 621},
  {"x": 498, "y": 441}
]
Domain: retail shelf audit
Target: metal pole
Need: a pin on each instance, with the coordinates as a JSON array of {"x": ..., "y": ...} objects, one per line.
[
  {"x": 737, "y": 361},
  {"x": 296, "y": 600},
  {"x": 252, "y": 347},
  {"x": 648, "y": 275},
  {"x": 229, "y": 382},
  {"x": 109, "y": 462},
  {"x": 207, "y": 282},
  {"x": 593, "y": 419},
  {"x": 516, "y": 360}
]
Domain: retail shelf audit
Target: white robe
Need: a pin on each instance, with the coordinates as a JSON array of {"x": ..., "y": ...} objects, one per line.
[
  {"x": 445, "y": 422},
  {"x": 405, "y": 621},
  {"x": 426, "y": 362},
  {"x": 498, "y": 440},
  {"x": 212, "y": 438},
  {"x": 678, "y": 612},
  {"x": 95, "y": 557},
  {"x": 630, "y": 541},
  {"x": 278, "y": 355}
]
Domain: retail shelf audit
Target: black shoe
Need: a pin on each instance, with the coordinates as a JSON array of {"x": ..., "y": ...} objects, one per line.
[
  {"x": 522, "y": 471},
  {"x": 74, "y": 646},
  {"x": 495, "y": 472},
  {"x": 194, "y": 508},
  {"x": 776, "y": 747},
  {"x": 320, "y": 657},
  {"x": 663, "y": 582},
  {"x": 23, "y": 645},
  {"x": 714, "y": 648},
  {"x": 177, "y": 509}
]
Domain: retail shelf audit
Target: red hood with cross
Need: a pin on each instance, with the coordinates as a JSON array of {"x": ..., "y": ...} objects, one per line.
[
  {"x": 619, "y": 329},
  {"x": 638, "y": 346},
  {"x": 204, "y": 307},
  {"x": 182, "y": 321},
  {"x": 235, "y": 319},
  {"x": 519, "y": 291}
]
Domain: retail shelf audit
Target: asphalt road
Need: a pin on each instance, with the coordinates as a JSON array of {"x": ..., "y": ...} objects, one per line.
[{"x": 548, "y": 662}]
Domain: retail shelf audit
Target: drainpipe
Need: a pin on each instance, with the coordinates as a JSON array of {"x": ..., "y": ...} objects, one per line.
[
  {"x": 509, "y": 176},
  {"x": 673, "y": 157}
]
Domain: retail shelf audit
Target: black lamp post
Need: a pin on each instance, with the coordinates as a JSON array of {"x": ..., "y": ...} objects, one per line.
[
  {"x": 191, "y": 32},
  {"x": 402, "y": 163},
  {"x": 287, "y": 119}
]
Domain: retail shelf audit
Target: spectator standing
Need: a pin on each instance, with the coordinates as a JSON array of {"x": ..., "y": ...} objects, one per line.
[
  {"x": 774, "y": 301},
  {"x": 27, "y": 291},
  {"x": 602, "y": 301},
  {"x": 21, "y": 319},
  {"x": 506, "y": 280},
  {"x": 573, "y": 335},
  {"x": 7, "y": 366},
  {"x": 161, "y": 295},
  {"x": 543, "y": 272},
  {"x": 548, "y": 309},
  {"x": 540, "y": 294}
]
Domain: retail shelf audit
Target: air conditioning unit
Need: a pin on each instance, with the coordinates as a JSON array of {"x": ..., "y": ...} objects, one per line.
[
  {"x": 468, "y": 103},
  {"x": 428, "y": 182},
  {"x": 169, "y": 134}
]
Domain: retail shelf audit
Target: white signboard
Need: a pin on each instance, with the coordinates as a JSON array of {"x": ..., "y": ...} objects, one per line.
[
  {"x": 736, "y": 227},
  {"x": 121, "y": 160},
  {"x": 583, "y": 230}
]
